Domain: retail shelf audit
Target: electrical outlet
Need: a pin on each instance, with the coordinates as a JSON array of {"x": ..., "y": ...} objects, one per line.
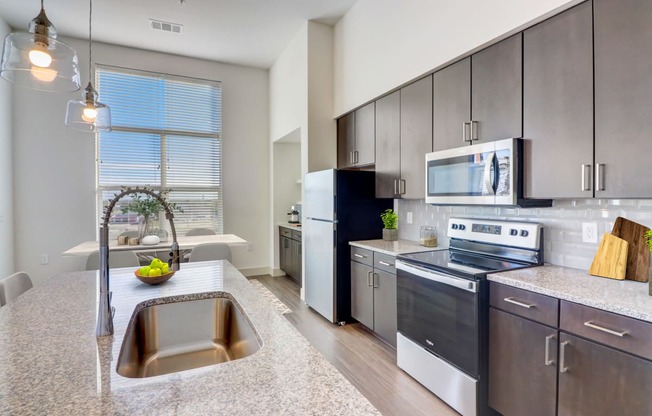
[
  {"x": 589, "y": 232},
  {"x": 409, "y": 218},
  {"x": 45, "y": 259},
  {"x": 250, "y": 246}
]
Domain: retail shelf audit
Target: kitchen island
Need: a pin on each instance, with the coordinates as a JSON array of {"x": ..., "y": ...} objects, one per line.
[{"x": 52, "y": 363}]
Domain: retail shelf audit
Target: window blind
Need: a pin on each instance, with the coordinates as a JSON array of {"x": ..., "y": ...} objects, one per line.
[{"x": 166, "y": 135}]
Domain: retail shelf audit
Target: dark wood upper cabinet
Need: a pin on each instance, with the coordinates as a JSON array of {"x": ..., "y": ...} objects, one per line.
[
  {"x": 480, "y": 98},
  {"x": 497, "y": 91},
  {"x": 558, "y": 105},
  {"x": 623, "y": 97},
  {"x": 365, "y": 135},
  {"x": 345, "y": 140},
  {"x": 356, "y": 137},
  {"x": 388, "y": 145},
  {"x": 451, "y": 104},
  {"x": 416, "y": 137}
]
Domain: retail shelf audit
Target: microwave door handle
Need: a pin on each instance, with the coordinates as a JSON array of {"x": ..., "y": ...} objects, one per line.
[{"x": 488, "y": 179}]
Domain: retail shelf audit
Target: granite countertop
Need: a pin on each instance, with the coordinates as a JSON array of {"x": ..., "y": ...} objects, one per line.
[
  {"x": 296, "y": 227},
  {"x": 52, "y": 363},
  {"x": 392, "y": 248},
  {"x": 625, "y": 297}
]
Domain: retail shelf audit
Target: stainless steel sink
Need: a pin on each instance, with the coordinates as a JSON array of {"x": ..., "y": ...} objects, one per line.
[{"x": 179, "y": 336}]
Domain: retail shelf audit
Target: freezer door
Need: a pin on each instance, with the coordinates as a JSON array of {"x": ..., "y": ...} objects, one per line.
[
  {"x": 319, "y": 195},
  {"x": 319, "y": 251}
]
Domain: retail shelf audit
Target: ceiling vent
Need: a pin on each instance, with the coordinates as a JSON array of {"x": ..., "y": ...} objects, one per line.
[{"x": 166, "y": 26}]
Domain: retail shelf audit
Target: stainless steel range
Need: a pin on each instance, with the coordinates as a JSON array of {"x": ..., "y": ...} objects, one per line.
[{"x": 443, "y": 306}]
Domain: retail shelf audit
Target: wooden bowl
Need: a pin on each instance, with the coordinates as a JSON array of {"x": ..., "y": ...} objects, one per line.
[{"x": 156, "y": 280}]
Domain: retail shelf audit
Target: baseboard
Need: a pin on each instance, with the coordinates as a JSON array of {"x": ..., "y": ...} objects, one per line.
[
  {"x": 277, "y": 272},
  {"x": 256, "y": 271}
]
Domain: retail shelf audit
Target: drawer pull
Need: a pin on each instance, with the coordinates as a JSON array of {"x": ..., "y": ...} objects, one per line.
[
  {"x": 385, "y": 264},
  {"x": 562, "y": 357},
  {"x": 519, "y": 303},
  {"x": 603, "y": 329},
  {"x": 369, "y": 274},
  {"x": 360, "y": 256},
  {"x": 547, "y": 359}
]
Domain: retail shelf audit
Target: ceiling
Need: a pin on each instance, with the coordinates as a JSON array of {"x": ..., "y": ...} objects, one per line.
[{"x": 243, "y": 32}]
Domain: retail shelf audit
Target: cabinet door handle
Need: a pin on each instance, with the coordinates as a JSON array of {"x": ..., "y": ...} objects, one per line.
[
  {"x": 375, "y": 280},
  {"x": 395, "y": 186},
  {"x": 355, "y": 156},
  {"x": 466, "y": 131},
  {"x": 360, "y": 256},
  {"x": 562, "y": 357},
  {"x": 401, "y": 186},
  {"x": 351, "y": 157},
  {"x": 607, "y": 330},
  {"x": 547, "y": 359},
  {"x": 519, "y": 303},
  {"x": 599, "y": 176},
  {"x": 385, "y": 263},
  {"x": 369, "y": 278},
  {"x": 474, "y": 131},
  {"x": 586, "y": 178}
]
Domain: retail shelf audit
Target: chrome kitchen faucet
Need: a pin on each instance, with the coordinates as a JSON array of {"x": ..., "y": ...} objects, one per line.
[{"x": 105, "y": 310}]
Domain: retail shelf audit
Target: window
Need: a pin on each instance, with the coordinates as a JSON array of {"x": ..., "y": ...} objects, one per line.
[{"x": 166, "y": 134}]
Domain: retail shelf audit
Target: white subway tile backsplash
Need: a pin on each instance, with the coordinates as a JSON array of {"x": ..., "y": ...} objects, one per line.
[{"x": 562, "y": 223}]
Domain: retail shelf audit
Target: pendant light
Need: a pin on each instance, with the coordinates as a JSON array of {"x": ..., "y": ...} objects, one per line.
[
  {"x": 38, "y": 60},
  {"x": 88, "y": 114}
]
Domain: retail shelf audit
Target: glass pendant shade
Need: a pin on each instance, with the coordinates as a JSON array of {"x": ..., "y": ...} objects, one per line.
[
  {"x": 37, "y": 60},
  {"x": 88, "y": 114}
]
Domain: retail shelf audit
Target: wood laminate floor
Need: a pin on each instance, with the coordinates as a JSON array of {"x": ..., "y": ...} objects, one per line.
[{"x": 366, "y": 361}]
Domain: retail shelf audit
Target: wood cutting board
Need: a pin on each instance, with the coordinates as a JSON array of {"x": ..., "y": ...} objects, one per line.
[
  {"x": 638, "y": 254},
  {"x": 611, "y": 259}
]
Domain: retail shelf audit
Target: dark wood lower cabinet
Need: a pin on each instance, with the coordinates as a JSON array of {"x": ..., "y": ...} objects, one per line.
[
  {"x": 385, "y": 306},
  {"x": 521, "y": 381},
  {"x": 597, "y": 380},
  {"x": 362, "y": 294}
]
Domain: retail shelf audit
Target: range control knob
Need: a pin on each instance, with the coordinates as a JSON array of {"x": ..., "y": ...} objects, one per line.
[
  {"x": 462, "y": 227},
  {"x": 524, "y": 233},
  {"x": 454, "y": 226},
  {"x": 513, "y": 231}
]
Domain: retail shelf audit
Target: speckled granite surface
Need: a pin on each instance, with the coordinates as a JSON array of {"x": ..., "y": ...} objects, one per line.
[
  {"x": 625, "y": 297},
  {"x": 392, "y": 248},
  {"x": 51, "y": 362},
  {"x": 296, "y": 227}
]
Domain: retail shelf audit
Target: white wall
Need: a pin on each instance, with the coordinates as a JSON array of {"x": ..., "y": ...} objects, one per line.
[
  {"x": 321, "y": 150},
  {"x": 6, "y": 173},
  {"x": 382, "y": 44},
  {"x": 54, "y": 167},
  {"x": 288, "y": 88}
]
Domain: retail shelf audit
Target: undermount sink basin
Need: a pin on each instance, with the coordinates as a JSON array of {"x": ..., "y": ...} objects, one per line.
[{"x": 171, "y": 337}]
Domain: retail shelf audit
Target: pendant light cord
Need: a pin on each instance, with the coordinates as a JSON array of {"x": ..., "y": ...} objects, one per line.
[{"x": 90, "y": 39}]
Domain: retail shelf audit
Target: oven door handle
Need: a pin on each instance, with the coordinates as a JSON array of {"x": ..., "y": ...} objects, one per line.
[{"x": 464, "y": 284}]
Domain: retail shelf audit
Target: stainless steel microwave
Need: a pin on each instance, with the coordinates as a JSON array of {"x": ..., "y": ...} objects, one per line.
[{"x": 481, "y": 174}]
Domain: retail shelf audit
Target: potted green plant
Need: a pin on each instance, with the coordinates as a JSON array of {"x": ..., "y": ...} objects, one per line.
[
  {"x": 390, "y": 225},
  {"x": 147, "y": 207}
]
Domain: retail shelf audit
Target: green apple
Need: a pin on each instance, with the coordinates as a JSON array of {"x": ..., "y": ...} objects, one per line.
[
  {"x": 156, "y": 264},
  {"x": 165, "y": 268},
  {"x": 154, "y": 272},
  {"x": 144, "y": 271}
]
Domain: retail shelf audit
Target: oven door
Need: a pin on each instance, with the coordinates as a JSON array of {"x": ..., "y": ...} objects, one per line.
[
  {"x": 479, "y": 174},
  {"x": 440, "y": 313}
]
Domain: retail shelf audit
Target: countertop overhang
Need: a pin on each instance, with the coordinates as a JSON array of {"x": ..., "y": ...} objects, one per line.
[
  {"x": 52, "y": 363},
  {"x": 624, "y": 297}
]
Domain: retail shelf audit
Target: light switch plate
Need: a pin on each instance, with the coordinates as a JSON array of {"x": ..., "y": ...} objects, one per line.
[{"x": 409, "y": 218}]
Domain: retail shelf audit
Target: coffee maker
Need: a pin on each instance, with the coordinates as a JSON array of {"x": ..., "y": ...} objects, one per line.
[{"x": 294, "y": 216}]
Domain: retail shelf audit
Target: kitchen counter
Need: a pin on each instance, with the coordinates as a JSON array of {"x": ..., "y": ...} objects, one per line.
[
  {"x": 392, "y": 248},
  {"x": 296, "y": 227},
  {"x": 625, "y": 297},
  {"x": 52, "y": 363}
]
